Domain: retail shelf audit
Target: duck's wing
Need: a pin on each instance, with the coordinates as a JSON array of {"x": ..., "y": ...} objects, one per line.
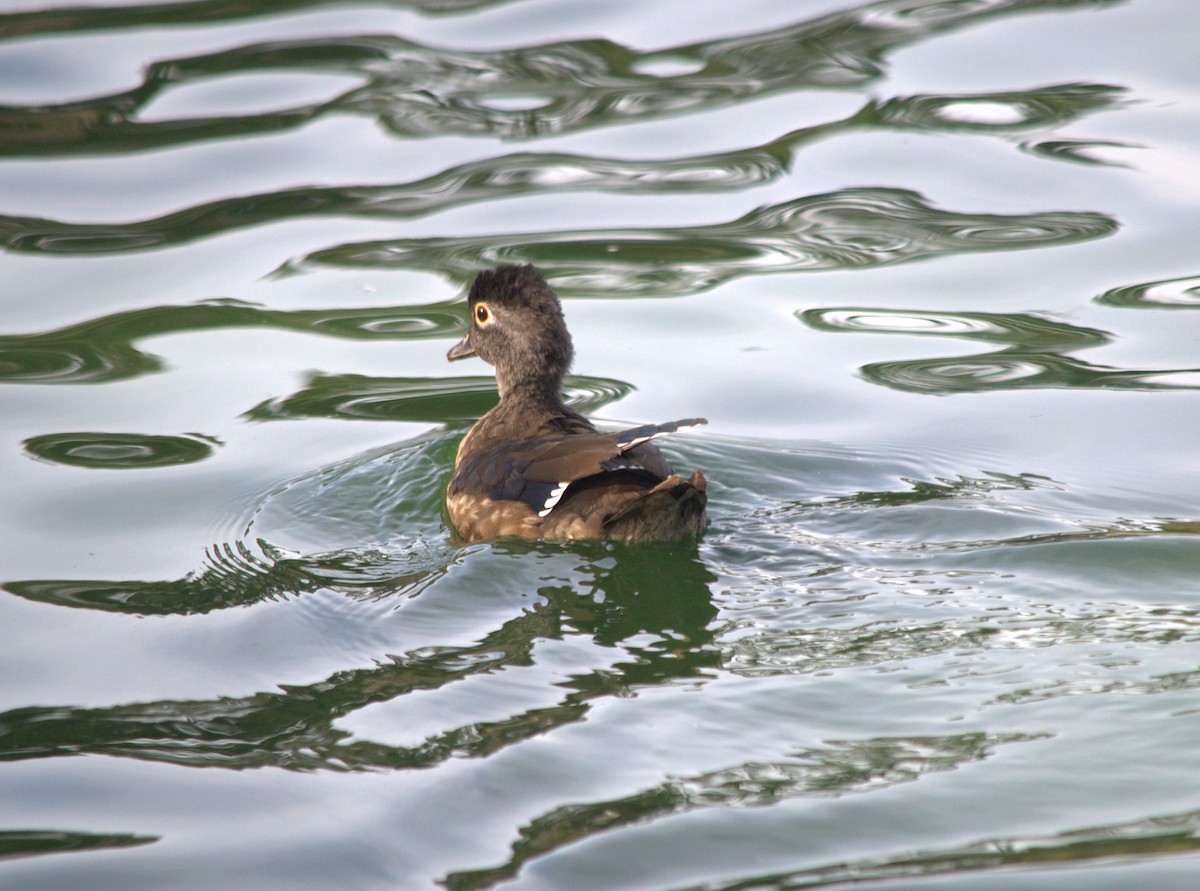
[{"x": 539, "y": 472}]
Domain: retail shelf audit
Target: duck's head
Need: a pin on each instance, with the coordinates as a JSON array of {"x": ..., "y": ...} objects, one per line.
[{"x": 517, "y": 327}]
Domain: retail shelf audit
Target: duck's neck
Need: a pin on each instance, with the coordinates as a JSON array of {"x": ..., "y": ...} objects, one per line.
[{"x": 542, "y": 392}]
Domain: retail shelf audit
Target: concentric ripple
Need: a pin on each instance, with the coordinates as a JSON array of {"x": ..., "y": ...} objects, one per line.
[
  {"x": 119, "y": 451},
  {"x": 897, "y": 322},
  {"x": 966, "y": 374},
  {"x": 1011, "y": 369},
  {"x": 28, "y": 360},
  {"x": 1017, "y": 329}
]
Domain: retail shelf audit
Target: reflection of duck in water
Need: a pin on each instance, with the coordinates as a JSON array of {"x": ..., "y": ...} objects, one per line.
[{"x": 531, "y": 467}]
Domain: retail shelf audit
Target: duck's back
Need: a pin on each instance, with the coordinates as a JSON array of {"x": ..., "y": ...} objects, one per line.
[{"x": 568, "y": 481}]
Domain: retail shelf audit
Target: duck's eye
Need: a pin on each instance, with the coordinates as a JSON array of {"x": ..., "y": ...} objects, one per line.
[{"x": 481, "y": 314}]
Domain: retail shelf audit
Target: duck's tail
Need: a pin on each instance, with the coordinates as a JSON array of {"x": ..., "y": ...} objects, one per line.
[{"x": 672, "y": 510}]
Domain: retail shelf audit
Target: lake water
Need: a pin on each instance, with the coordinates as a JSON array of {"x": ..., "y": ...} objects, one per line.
[{"x": 929, "y": 268}]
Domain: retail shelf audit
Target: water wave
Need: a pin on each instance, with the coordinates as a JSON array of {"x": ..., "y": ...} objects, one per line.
[
  {"x": 842, "y": 767},
  {"x": 97, "y": 17},
  {"x": 440, "y": 400},
  {"x": 231, "y": 574},
  {"x": 1009, "y": 370},
  {"x": 838, "y": 524},
  {"x": 119, "y": 451},
  {"x": 522, "y": 93},
  {"x": 33, "y": 842},
  {"x": 1094, "y": 847},
  {"x": 531, "y": 173},
  {"x": 852, "y": 228},
  {"x": 1003, "y": 111},
  {"x": 1016, "y": 329},
  {"x": 1034, "y": 356},
  {"x": 1169, "y": 293},
  {"x": 358, "y": 527},
  {"x": 296, "y": 727},
  {"x": 1077, "y": 151},
  {"x": 65, "y": 359},
  {"x": 102, "y": 350}
]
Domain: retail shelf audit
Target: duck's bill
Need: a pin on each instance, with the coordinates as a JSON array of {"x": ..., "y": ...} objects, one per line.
[{"x": 460, "y": 350}]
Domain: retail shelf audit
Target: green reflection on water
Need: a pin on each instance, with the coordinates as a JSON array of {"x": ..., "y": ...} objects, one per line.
[
  {"x": 851, "y": 228},
  {"x": 101, "y": 350},
  {"x": 843, "y": 767},
  {"x": 1149, "y": 838},
  {"x": 416, "y": 90},
  {"x": 116, "y": 451},
  {"x": 389, "y": 500},
  {"x": 1170, "y": 293},
  {"x": 653, "y": 602},
  {"x": 96, "y": 17},
  {"x": 31, "y": 842},
  {"x": 792, "y": 530},
  {"x": 441, "y": 400},
  {"x": 531, "y": 173},
  {"x": 1034, "y": 358}
]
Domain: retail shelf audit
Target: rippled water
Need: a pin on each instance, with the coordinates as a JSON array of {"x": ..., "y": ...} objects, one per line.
[{"x": 942, "y": 631}]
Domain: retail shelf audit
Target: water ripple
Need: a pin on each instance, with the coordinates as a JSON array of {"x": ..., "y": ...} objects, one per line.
[
  {"x": 521, "y": 93},
  {"x": 905, "y": 14},
  {"x": 114, "y": 451},
  {"x": 1000, "y": 111},
  {"x": 32, "y": 842},
  {"x": 440, "y": 400},
  {"x": 532, "y": 173},
  {"x": 368, "y": 527},
  {"x": 1017, "y": 329},
  {"x": 852, "y": 228},
  {"x": 295, "y": 726},
  {"x": 1033, "y": 357},
  {"x": 94, "y": 17},
  {"x": 1076, "y": 150},
  {"x": 1170, "y": 293},
  {"x": 809, "y": 650},
  {"x": 1095, "y": 847},
  {"x": 1004, "y": 371},
  {"x": 230, "y": 574},
  {"x": 841, "y": 767},
  {"x": 53, "y": 359},
  {"x": 101, "y": 350}
]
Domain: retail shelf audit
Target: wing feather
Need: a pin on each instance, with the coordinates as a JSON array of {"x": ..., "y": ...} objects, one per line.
[{"x": 540, "y": 472}]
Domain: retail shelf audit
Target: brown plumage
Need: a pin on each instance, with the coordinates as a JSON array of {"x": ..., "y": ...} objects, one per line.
[{"x": 531, "y": 467}]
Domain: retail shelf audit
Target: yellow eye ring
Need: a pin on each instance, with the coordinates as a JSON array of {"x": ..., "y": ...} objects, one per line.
[{"x": 481, "y": 314}]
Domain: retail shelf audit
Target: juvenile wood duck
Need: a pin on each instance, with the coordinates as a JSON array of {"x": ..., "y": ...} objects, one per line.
[{"x": 531, "y": 467}]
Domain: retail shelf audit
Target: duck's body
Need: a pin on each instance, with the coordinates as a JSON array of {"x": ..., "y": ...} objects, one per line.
[{"x": 532, "y": 467}]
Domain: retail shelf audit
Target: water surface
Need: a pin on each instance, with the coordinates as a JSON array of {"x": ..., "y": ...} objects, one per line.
[{"x": 925, "y": 266}]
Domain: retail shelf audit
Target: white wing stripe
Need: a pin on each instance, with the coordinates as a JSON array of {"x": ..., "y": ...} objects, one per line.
[
  {"x": 553, "y": 498},
  {"x": 674, "y": 428}
]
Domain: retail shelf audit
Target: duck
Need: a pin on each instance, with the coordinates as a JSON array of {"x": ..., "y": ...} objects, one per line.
[{"x": 532, "y": 467}]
